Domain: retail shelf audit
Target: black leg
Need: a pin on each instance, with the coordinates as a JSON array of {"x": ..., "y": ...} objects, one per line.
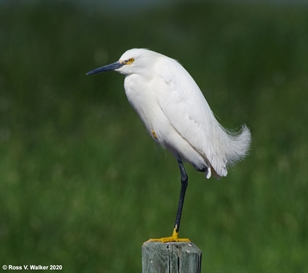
[
  {"x": 184, "y": 184},
  {"x": 175, "y": 233}
]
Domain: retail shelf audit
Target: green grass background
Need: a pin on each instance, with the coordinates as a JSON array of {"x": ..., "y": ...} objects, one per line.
[{"x": 83, "y": 185}]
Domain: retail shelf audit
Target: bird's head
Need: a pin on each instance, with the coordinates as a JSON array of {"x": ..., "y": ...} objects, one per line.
[{"x": 132, "y": 61}]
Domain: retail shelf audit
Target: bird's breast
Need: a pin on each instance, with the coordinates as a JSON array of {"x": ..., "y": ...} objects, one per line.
[{"x": 144, "y": 100}]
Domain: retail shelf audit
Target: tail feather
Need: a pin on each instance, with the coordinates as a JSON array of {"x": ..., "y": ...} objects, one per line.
[
  {"x": 230, "y": 147},
  {"x": 238, "y": 145}
]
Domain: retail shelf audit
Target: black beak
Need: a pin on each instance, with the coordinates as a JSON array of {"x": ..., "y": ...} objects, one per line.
[{"x": 107, "y": 67}]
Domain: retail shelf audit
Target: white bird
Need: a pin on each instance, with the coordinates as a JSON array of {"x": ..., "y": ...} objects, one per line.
[{"x": 177, "y": 116}]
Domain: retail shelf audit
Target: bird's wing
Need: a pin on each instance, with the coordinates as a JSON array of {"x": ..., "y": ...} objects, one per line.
[{"x": 189, "y": 113}]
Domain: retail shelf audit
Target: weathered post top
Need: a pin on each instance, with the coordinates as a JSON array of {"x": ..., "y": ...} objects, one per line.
[{"x": 171, "y": 258}]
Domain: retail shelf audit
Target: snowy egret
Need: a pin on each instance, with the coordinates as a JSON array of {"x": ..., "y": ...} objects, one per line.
[{"x": 177, "y": 116}]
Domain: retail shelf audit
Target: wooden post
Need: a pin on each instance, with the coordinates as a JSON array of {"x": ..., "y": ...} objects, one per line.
[{"x": 171, "y": 258}]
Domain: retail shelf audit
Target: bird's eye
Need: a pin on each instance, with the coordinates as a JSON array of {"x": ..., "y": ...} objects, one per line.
[{"x": 130, "y": 61}]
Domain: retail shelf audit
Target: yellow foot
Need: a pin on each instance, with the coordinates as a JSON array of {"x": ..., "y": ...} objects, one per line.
[{"x": 173, "y": 238}]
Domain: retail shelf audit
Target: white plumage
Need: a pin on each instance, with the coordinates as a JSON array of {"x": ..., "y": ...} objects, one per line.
[
  {"x": 177, "y": 116},
  {"x": 170, "y": 103}
]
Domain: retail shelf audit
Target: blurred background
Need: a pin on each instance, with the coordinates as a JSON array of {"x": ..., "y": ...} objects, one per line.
[{"x": 83, "y": 185}]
